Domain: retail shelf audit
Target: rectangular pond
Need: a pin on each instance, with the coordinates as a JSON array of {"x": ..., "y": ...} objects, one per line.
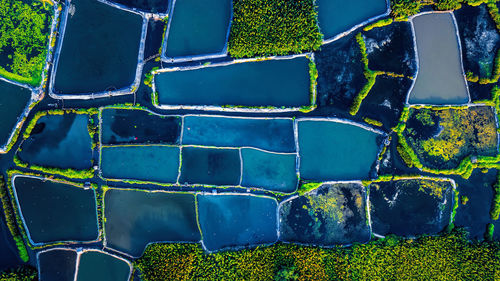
[
  {"x": 337, "y": 16},
  {"x": 100, "y": 49},
  {"x": 440, "y": 78},
  {"x": 57, "y": 264},
  {"x": 157, "y": 163},
  {"x": 13, "y": 101},
  {"x": 236, "y": 220},
  {"x": 137, "y": 218},
  {"x": 272, "y": 82},
  {"x": 126, "y": 126},
  {"x": 264, "y": 133},
  {"x": 198, "y": 28},
  {"x": 99, "y": 266},
  {"x": 271, "y": 171},
  {"x": 54, "y": 211},
  {"x": 332, "y": 150},
  {"x": 211, "y": 166}
]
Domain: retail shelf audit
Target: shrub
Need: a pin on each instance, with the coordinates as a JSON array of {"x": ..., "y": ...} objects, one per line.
[
  {"x": 495, "y": 203},
  {"x": 373, "y": 122},
  {"x": 380, "y": 23},
  {"x": 490, "y": 229},
  {"x": 23, "y": 273},
  {"x": 402, "y": 9}
]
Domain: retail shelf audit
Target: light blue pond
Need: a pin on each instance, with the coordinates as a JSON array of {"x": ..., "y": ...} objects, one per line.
[
  {"x": 97, "y": 266},
  {"x": 148, "y": 163},
  {"x": 440, "y": 79},
  {"x": 268, "y": 134},
  {"x": 337, "y": 16},
  {"x": 335, "y": 151},
  {"x": 270, "y": 171},
  {"x": 198, "y": 27},
  {"x": 236, "y": 220},
  {"x": 13, "y": 100},
  {"x": 276, "y": 83}
]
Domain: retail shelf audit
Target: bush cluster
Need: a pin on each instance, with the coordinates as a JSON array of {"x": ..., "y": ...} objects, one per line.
[
  {"x": 495, "y": 203},
  {"x": 23, "y": 273}
]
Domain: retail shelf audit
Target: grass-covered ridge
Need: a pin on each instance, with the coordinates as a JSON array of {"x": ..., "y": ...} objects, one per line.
[
  {"x": 24, "y": 37},
  {"x": 278, "y": 27}
]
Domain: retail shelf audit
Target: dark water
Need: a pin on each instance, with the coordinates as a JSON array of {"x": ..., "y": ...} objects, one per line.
[
  {"x": 97, "y": 266},
  {"x": 198, "y": 27},
  {"x": 136, "y": 218},
  {"x": 55, "y": 211},
  {"x": 13, "y": 100},
  {"x": 268, "y": 134},
  {"x": 60, "y": 141},
  {"x": 57, "y": 265},
  {"x": 236, "y": 220},
  {"x": 265, "y": 83},
  {"x": 8, "y": 251},
  {"x": 154, "y": 38},
  {"x": 100, "y": 49}
]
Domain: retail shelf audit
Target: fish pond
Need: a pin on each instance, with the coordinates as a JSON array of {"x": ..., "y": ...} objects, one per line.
[
  {"x": 136, "y": 218},
  {"x": 440, "y": 78},
  {"x": 100, "y": 49},
  {"x": 158, "y": 163},
  {"x": 60, "y": 141},
  {"x": 410, "y": 207},
  {"x": 331, "y": 150},
  {"x": 54, "y": 211},
  {"x": 236, "y": 220},
  {"x": 57, "y": 264},
  {"x": 272, "y": 82},
  {"x": 333, "y": 214},
  {"x": 99, "y": 266},
  {"x": 338, "y": 16},
  {"x": 198, "y": 28},
  {"x": 13, "y": 101}
]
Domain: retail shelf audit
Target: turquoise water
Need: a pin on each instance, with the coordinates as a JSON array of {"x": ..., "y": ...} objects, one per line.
[
  {"x": 210, "y": 166},
  {"x": 60, "y": 141},
  {"x": 55, "y": 211},
  {"x": 148, "y": 163},
  {"x": 97, "y": 266},
  {"x": 268, "y": 170},
  {"x": 236, "y": 220},
  {"x": 268, "y": 134},
  {"x": 337, "y": 16},
  {"x": 136, "y": 218},
  {"x": 335, "y": 151},
  {"x": 100, "y": 49},
  {"x": 265, "y": 83},
  {"x": 198, "y": 27},
  {"x": 13, "y": 100},
  {"x": 57, "y": 265},
  {"x": 440, "y": 79}
]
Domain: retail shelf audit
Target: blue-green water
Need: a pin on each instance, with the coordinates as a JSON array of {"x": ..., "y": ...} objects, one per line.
[
  {"x": 337, "y": 16},
  {"x": 149, "y": 163},
  {"x": 55, "y": 211},
  {"x": 100, "y": 49},
  {"x": 268, "y": 134},
  {"x": 13, "y": 100},
  {"x": 60, "y": 141},
  {"x": 440, "y": 79},
  {"x": 265, "y": 83},
  {"x": 210, "y": 166},
  {"x": 57, "y": 265},
  {"x": 97, "y": 266},
  {"x": 198, "y": 27},
  {"x": 269, "y": 170},
  {"x": 136, "y": 218},
  {"x": 335, "y": 151},
  {"x": 236, "y": 220}
]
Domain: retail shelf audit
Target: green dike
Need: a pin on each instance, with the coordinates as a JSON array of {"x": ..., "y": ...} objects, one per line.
[
  {"x": 22, "y": 273},
  {"x": 495, "y": 203},
  {"x": 380, "y": 23},
  {"x": 450, "y": 255}
]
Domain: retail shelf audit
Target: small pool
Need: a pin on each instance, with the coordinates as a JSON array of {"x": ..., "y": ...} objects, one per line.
[
  {"x": 148, "y": 163},
  {"x": 272, "y": 82},
  {"x": 236, "y": 220},
  {"x": 198, "y": 28},
  {"x": 337, "y": 16},
  {"x": 13, "y": 101},
  {"x": 331, "y": 150},
  {"x": 136, "y": 218},
  {"x": 99, "y": 266},
  {"x": 440, "y": 78},
  {"x": 264, "y": 133},
  {"x": 57, "y": 264},
  {"x": 54, "y": 211}
]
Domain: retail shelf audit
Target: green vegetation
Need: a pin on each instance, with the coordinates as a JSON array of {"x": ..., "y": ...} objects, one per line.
[
  {"x": 373, "y": 122},
  {"x": 24, "y": 36},
  {"x": 267, "y": 28},
  {"x": 380, "y": 23},
  {"x": 464, "y": 199},
  {"x": 306, "y": 187},
  {"x": 447, "y": 257},
  {"x": 313, "y": 75},
  {"x": 10, "y": 219},
  {"x": 402, "y": 9},
  {"x": 24, "y": 273},
  {"x": 490, "y": 229},
  {"x": 495, "y": 203},
  {"x": 148, "y": 77}
]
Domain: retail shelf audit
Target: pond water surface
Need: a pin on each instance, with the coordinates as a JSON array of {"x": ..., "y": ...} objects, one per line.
[
  {"x": 9, "y": 257},
  {"x": 13, "y": 100},
  {"x": 57, "y": 265},
  {"x": 97, "y": 266}
]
